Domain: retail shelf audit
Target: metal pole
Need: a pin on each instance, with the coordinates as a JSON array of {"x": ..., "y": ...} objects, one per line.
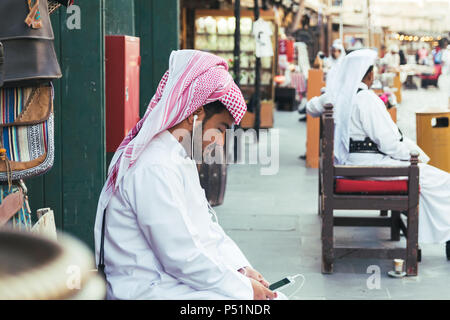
[
  {"x": 321, "y": 29},
  {"x": 237, "y": 42},
  {"x": 237, "y": 61},
  {"x": 257, "y": 96},
  {"x": 369, "y": 24}
]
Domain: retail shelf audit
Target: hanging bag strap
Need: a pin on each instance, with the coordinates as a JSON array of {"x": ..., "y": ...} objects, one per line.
[
  {"x": 101, "y": 258},
  {"x": 1, "y": 63}
]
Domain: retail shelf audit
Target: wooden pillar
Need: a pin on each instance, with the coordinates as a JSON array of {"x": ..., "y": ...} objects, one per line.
[{"x": 315, "y": 83}]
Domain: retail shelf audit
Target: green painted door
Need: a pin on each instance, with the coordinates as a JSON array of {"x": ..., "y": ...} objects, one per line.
[
  {"x": 73, "y": 185},
  {"x": 157, "y": 24}
]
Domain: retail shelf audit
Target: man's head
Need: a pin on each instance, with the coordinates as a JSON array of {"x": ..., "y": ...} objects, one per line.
[
  {"x": 369, "y": 77},
  {"x": 217, "y": 118},
  {"x": 335, "y": 52},
  {"x": 212, "y": 120}
]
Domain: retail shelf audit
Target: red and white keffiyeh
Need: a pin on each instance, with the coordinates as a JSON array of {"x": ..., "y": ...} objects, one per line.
[{"x": 194, "y": 79}]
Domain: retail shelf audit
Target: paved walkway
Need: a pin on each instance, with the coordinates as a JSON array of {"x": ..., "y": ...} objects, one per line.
[{"x": 274, "y": 220}]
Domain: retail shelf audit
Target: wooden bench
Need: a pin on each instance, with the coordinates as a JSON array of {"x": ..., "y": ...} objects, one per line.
[{"x": 341, "y": 188}]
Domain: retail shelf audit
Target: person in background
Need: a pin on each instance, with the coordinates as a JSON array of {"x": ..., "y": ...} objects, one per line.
[
  {"x": 422, "y": 55},
  {"x": 402, "y": 55},
  {"x": 319, "y": 61},
  {"x": 360, "y": 115},
  {"x": 438, "y": 51},
  {"x": 392, "y": 58},
  {"x": 337, "y": 54},
  {"x": 382, "y": 51}
]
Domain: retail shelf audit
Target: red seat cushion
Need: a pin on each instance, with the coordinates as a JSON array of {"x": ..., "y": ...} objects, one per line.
[
  {"x": 348, "y": 186},
  {"x": 435, "y": 75}
]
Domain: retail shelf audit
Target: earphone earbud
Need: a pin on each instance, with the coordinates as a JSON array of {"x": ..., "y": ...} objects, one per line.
[{"x": 193, "y": 135}]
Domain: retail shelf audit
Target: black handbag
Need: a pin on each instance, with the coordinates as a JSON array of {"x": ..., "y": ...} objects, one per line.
[{"x": 27, "y": 37}]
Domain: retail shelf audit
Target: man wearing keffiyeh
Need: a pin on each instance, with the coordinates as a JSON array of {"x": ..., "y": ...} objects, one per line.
[{"x": 160, "y": 241}]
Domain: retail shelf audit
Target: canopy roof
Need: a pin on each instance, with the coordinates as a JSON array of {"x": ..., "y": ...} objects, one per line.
[{"x": 398, "y": 15}]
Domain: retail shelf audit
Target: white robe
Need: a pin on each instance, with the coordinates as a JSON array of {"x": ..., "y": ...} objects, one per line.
[
  {"x": 160, "y": 241},
  {"x": 371, "y": 119}
]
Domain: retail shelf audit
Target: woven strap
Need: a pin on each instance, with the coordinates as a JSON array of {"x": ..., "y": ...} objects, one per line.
[
  {"x": 33, "y": 20},
  {"x": 52, "y": 6}
]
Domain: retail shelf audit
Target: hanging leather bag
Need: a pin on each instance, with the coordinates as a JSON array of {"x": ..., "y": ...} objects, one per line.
[
  {"x": 28, "y": 64},
  {"x": 28, "y": 44}
]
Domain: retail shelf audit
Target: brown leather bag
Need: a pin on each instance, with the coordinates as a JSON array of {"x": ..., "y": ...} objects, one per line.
[
  {"x": 29, "y": 53},
  {"x": 10, "y": 205}
]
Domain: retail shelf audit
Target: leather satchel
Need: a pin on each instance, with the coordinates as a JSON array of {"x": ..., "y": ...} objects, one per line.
[{"x": 28, "y": 44}]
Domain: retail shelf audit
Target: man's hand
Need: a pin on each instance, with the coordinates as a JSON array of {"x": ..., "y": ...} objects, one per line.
[
  {"x": 260, "y": 292},
  {"x": 253, "y": 274}
]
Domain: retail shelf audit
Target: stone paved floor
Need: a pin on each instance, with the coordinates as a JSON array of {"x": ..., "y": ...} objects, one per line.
[{"x": 274, "y": 220}]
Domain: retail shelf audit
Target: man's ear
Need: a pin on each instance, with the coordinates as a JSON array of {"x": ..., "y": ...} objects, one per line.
[{"x": 200, "y": 113}]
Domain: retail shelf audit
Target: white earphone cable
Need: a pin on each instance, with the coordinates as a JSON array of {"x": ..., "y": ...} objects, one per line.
[
  {"x": 212, "y": 212},
  {"x": 193, "y": 137},
  {"x": 299, "y": 287}
]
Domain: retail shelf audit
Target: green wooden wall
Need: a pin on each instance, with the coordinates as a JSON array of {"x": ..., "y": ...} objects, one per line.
[
  {"x": 158, "y": 26},
  {"x": 73, "y": 185},
  {"x": 119, "y": 16}
]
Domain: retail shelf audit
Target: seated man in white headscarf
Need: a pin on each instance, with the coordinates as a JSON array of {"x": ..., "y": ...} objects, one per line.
[
  {"x": 392, "y": 58},
  {"x": 160, "y": 241},
  {"x": 359, "y": 115},
  {"x": 337, "y": 54}
]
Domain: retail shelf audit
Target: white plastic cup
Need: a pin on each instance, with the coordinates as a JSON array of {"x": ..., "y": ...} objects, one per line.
[{"x": 398, "y": 265}]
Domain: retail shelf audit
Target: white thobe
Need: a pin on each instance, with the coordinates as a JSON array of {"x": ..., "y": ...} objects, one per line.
[
  {"x": 160, "y": 241},
  {"x": 315, "y": 106},
  {"x": 392, "y": 60},
  {"x": 371, "y": 119}
]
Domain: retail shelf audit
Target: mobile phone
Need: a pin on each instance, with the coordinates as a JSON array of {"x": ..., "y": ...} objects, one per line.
[{"x": 279, "y": 284}]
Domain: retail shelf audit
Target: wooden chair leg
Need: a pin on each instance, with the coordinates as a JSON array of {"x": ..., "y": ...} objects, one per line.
[
  {"x": 320, "y": 195},
  {"x": 327, "y": 240},
  {"x": 395, "y": 225},
  {"x": 412, "y": 245},
  {"x": 383, "y": 213},
  {"x": 319, "y": 204}
]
